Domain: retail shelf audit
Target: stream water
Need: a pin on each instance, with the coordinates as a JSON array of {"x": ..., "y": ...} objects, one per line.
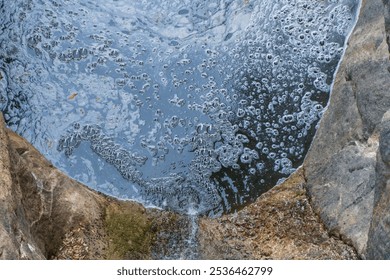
[{"x": 193, "y": 106}]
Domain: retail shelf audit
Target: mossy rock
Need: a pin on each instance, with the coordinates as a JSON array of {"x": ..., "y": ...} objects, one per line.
[{"x": 129, "y": 231}]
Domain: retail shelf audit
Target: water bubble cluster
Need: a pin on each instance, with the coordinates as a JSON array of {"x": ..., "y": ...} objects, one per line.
[
  {"x": 185, "y": 104},
  {"x": 173, "y": 192}
]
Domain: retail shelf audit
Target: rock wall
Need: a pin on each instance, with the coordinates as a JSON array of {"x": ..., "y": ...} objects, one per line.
[
  {"x": 16, "y": 241},
  {"x": 378, "y": 245},
  {"x": 379, "y": 235},
  {"x": 343, "y": 167}
]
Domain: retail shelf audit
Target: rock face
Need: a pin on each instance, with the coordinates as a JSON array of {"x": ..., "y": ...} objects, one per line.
[
  {"x": 42, "y": 207},
  {"x": 15, "y": 234},
  {"x": 378, "y": 245},
  {"x": 343, "y": 167}
]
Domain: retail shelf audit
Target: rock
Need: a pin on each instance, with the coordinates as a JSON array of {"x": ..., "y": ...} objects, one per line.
[
  {"x": 378, "y": 246},
  {"x": 46, "y": 206},
  {"x": 387, "y": 20},
  {"x": 279, "y": 225},
  {"x": 341, "y": 165},
  {"x": 16, "y": 241}
]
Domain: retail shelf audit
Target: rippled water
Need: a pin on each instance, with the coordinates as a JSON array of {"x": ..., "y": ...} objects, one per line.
[{"x": 196, "y": 106}]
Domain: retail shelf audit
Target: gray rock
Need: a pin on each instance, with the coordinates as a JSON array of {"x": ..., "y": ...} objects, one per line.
[
  {"x": 378, "y": 246},
  {"x": 16, "y": 241},
  {"x": 341, "y": 165}
]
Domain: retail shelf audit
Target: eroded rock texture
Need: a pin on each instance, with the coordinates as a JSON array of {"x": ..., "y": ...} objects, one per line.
[
  {"x": 281, "y": 224},
  {"x": 378, "y": 246},
  {"x": 342, "y": 165}
]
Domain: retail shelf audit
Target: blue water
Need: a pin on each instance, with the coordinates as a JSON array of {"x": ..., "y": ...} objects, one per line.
[{"x": 194, "y": 106}]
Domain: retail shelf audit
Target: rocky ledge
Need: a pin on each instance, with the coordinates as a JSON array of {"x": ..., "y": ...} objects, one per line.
[{"x": 337, "y": 206}]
